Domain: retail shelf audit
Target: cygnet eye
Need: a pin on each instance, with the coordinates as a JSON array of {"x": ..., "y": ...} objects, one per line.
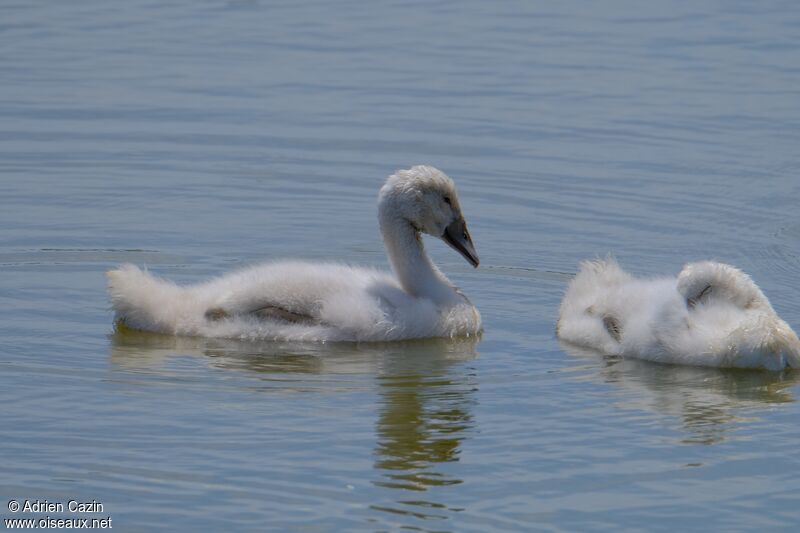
[{"x": 447, "y": 200}]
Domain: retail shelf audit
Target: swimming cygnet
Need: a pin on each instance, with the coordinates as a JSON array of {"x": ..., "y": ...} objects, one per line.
[
  {"x": 712, "y": 314},
  {"x": 294, "y": 300}
]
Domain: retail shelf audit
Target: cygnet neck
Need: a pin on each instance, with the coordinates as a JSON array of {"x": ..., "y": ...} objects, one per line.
[{"x": 416, "y": 272}]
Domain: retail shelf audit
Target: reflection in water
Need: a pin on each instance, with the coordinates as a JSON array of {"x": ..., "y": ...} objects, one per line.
[
  {"x": 426, "y": 397},
  {"x": 426, "y": 412},
  {"x": 711, "y": 403},
  {"x": 139, "y": 350}
]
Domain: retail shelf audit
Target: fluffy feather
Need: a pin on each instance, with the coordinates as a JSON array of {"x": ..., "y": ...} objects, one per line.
[
  {"x": 294, "y": 300},
  {"x": 712, "y": 314}
]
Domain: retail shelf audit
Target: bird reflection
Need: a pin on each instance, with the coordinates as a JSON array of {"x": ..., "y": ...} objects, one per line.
[
  {"x": 426, "y": 410},
  {"x": 140, "y": 350},
  {"x": 710, "y": 403},
  {"x": 132, "y": 349},
  {"x": 426, "y": 402}
]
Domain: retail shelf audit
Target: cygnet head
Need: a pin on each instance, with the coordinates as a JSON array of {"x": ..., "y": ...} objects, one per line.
[
  {"x": 426, "y": 198},
  {"x": 709, "y": 281}
]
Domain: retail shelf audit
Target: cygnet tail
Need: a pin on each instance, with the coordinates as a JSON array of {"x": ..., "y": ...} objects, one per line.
[
  {"x": 143, "y": 301},
  {"x": 592, "y": 285},
  {"x": 585, "y": 317}
]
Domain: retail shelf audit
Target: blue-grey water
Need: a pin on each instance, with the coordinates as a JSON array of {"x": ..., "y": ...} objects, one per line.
[{"x": 199, "y": 136}]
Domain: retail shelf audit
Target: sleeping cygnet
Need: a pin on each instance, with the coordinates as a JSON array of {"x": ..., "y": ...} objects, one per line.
[{"x": 712, "y": 314}]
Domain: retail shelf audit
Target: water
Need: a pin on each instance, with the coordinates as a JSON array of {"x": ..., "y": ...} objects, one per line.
[{"x": 196, "y": 137}]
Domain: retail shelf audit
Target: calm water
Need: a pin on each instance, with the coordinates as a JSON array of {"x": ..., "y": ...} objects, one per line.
[{"x": 196, "y": 137}]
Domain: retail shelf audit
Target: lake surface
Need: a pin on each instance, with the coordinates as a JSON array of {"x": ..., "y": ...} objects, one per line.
[{"x": 197, "y": 137}]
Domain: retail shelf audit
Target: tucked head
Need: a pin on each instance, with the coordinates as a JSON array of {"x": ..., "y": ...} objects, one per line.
[
  {"x": 708, "y": 282},
  {"x": 426, "y": 198}
]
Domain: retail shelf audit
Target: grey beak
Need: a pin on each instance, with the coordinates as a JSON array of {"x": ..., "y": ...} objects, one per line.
[{"x": 457, "y": 236}]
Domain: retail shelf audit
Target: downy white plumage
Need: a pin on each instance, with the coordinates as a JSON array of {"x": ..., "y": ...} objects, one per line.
[
  {"x": 712, "y": 314},
  {"x": 294, "y": 300}
]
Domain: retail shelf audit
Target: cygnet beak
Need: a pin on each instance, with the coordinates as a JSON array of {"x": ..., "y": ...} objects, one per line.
[{"x": 457, "y": 236}]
